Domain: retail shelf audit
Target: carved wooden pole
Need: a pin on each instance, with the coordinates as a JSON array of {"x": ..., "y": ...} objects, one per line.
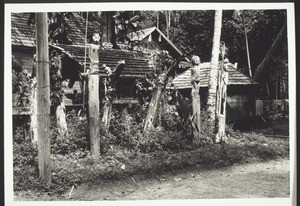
[
  {"x": 195, "y": 80},
  {"x": 157, "y": 96},
  {"x": 33, "y": 108},
  {"x": 221, "y": 98},
  {"x": 110, "y": 88},
  {"x": 43, "y": 97},
  {"x": 153, "y": 108},
  {"x": 93, "y": 98}
]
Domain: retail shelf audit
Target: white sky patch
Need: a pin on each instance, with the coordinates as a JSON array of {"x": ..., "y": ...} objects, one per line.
[{"x": 73, "y": 7}]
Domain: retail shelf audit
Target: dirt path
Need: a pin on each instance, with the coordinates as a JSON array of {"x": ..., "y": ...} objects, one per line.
[{"x": 264, "y": 179}]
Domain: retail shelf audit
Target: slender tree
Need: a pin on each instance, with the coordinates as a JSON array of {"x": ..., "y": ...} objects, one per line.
[{"x": 213, "y": 80}]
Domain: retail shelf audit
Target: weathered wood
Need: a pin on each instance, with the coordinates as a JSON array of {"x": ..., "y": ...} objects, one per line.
[
  {"x": 153, "y": 108},
  {"x": 61, "y": 120},
  {"x": 195, "y": 81},
  {"x": 43, "y": 98},
  {"x": 33, "y": 112},
  {"x": 221, "y": 99},
  {"x": 107, "y": 108},
  {"x": 213, "y": 80},
  {"x": 196, "y": 118},
  {"x": 110, "y": 83},
  {"x": 157, "y": 93},
  {"x": 94, "y": 119}
]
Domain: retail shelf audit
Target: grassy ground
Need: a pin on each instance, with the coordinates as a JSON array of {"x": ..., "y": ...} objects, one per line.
[
  {"x": 253, "y": 180},
  {"x": 121, "y": 164}
]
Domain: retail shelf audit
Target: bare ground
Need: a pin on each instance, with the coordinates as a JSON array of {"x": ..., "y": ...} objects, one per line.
[{"x": 253, "y": 180}]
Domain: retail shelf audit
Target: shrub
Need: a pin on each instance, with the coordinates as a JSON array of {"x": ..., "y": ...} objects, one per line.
[
  {"x": 24, "y": 161},
  {"x": 77, "y": 138}
]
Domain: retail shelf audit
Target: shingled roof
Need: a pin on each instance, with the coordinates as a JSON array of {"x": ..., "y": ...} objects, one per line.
[
  {"x": 23, "y": 34},
  {"x": 235, "y": 77},
  {"x": 136, "y": 62}
]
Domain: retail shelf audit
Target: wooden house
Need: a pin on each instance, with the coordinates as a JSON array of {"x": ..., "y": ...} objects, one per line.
[
  {"x": 23, "y": 48},
  {"x": 241, "y": 90}
]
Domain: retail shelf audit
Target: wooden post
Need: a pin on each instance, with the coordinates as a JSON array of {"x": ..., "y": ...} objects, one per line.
[
  {"x": 110, "y": 85},
  {"x": 33, "y": 110},
  {"x": 94, "y": 120},
  {"x": 153, "y": 108},
  {"x": 43, "y": 97},
  {"x": 222, "y": 98},
  {"x": 93, "y": 98},
  {"x": 195, "y": 81}
]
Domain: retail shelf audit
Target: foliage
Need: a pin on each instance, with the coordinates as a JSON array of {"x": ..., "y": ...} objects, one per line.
[
  {"x": 24, "y": 161},
  {"x": 57, "y": 32},
  {"x": 21, "y": 83},
  {"x": 127, "y": 151},
  {"x": 56, "y": 92},
  {"x": 77, "y": 139},
  {"x": 163, "y": 70},
  {"x": 125, "y": 23}
]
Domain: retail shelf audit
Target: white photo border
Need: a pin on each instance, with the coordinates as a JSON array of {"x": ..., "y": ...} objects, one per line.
[{"x": 116, "y": 6}]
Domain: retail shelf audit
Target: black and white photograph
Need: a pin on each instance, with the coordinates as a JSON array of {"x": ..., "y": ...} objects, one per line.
[{"x": 129, "y": 102}]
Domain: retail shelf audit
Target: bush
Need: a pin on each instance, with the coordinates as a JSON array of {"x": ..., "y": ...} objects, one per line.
[
  {"x": 25, "y": 164},
  {"x": 77, "y": 138}
]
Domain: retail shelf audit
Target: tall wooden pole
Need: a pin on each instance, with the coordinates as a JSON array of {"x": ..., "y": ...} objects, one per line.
[
  {"x": 94, "y": 118},
  {"x": 221, "y": 99},
  {"x": 94, "y": 103},
  {"x": 247, "y": 47},
  {"x": 43, "y": 97}
]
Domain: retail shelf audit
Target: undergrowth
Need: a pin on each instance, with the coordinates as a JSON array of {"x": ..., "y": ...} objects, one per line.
[{"x": 126, "y": 151}]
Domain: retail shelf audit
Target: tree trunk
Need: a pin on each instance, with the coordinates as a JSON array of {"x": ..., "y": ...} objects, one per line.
[
  {"x": 153, "y": 108},
  {"x": 43, "y": 98},
  {"x": 213, "y": 81}
]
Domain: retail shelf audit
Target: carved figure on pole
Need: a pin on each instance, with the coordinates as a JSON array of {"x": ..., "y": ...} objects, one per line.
[
  {"x": 195, "y": 81},
  {"x": 93, "y": 53},
  {"x": 222, "y": 96},
  {"x": 93, "y": 97}
]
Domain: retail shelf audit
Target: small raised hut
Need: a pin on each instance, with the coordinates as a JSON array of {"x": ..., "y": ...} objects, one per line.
[{"x": 241, "y": 90}]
